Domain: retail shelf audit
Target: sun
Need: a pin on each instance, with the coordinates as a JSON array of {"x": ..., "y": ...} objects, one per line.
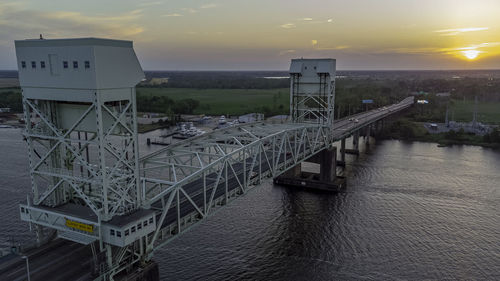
[{"x": 471, "y": 54}]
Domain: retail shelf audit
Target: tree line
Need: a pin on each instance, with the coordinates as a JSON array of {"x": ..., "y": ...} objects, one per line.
[{"x": 162, "y": 104}]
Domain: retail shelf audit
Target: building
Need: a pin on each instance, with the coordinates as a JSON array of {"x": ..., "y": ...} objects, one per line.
[{"x": 251, "y": 117}]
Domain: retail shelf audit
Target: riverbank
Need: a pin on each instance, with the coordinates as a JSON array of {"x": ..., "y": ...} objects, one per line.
[{"x": 405, "y": 129}]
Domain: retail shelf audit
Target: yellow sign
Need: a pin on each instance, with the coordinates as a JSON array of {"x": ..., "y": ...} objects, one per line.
[{"x": 80, "y": 226}]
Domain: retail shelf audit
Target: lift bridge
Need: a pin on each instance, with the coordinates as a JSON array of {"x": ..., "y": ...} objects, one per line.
[{"x": 89, "y": 184}]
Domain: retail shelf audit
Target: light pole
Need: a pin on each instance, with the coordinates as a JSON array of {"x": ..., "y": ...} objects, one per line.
[{"x": 27, "y": 266}]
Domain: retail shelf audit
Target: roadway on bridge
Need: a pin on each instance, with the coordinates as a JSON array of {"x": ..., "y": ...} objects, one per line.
[
  {"x": 342, "y": 128},
  {"x": 66, "y": 260}
]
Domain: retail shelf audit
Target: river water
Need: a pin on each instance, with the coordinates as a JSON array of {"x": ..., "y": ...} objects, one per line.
[{"x": 411, "y": 211}]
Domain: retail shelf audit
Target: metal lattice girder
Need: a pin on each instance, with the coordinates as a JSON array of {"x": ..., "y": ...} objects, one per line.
[
  {"x": 200, "y": 173},
  {"x": 188, "y": 181},
  {"x": 100, "y": 170}
]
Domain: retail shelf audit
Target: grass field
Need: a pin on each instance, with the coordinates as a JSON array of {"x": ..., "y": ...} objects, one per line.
[
  {"x": 488, "y": 112},
  {"x": 227, "y": 101}
]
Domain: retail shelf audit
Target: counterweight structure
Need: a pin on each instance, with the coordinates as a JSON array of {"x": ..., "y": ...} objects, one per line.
[{"x": 312, "y": 91}]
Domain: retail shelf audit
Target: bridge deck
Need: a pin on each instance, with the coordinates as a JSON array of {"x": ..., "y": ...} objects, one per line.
[
  {"x": 250, "y": 152},
  {"x": 185, "y": 182}
]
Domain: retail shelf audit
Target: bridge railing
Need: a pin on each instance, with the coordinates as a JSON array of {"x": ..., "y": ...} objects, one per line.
[
  {"x": 197, "y": 176},
  {"x": 188, "y": 181}
]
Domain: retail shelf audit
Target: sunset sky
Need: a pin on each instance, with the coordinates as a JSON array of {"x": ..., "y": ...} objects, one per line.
[{"x": 266, "y": 34}]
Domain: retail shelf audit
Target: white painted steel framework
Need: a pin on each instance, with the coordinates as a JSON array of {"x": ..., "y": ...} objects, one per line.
[
  {"x": 88, "y": 182},
  {"x": 188, "y": 181},
  {"x": 312, "y": 91},
  {"x": 210, "y": 170},
  {"x": 94, "y": 168}
]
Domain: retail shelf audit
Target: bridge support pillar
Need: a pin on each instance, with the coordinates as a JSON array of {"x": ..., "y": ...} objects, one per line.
[
  {"x": 295, "y": 171},
  {"x": 378, "y": 128},
  {"x": 368, "y": 132},
  {"x": 355, "y": 141},
  {"x": 355, "y": 144},
  {"x": 328, "y": 165},
  {"x": 341, "y": 162},
  {"x": 326, "y": 179}
]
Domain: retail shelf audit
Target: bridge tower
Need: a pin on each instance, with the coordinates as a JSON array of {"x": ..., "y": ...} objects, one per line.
[
  {"x": 312, "y": 91},
  {"x": 80, "y": 113}
]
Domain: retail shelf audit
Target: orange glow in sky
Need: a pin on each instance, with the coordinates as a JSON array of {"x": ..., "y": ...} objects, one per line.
[{"x": 262, "y": 34}]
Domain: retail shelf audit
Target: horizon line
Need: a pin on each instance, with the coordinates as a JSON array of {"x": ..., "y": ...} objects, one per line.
[{"x": 275, "y": 70}]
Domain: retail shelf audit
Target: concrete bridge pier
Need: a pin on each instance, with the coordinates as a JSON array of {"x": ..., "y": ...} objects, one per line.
[
  {"x": 355, "y": 141},
  {"x": 368, "y": 133},
  {"x": 328, "y": 165},
  {"x": 377, "y": 128},
  {"x": 295, "y": 171},
  {"x": 326, "y": 179},
  {"x": 341, "y": 162},
  {"x": 355, "y": 144}
]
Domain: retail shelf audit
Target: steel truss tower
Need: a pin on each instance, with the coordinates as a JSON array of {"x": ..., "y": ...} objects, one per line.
[
  {"x": 312, "y": 91},
  {"x": 80, "y": 113}
]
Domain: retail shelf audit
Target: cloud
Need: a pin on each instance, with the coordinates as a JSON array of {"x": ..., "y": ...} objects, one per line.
[
  {"x": 136, "y": 12},
  {"x": 303, "y": 21},
  {"x": 456, "y": 31},
  {"x": 441, "y": 50},
  {"x": 19, "y": 22},
  {"x": 173, "y": 15},
  {"x": 148, "y": 4},
  {"x": 341, "y": 47},
  {"x": 208, "y": 6},
  {"x": 190, "y": 10},
  {"x": 288, "y": 25},
  {"x": 315, "y": 45},
  {"x": 482, "y": 45},
  {"x": 285, "y": 52}
]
